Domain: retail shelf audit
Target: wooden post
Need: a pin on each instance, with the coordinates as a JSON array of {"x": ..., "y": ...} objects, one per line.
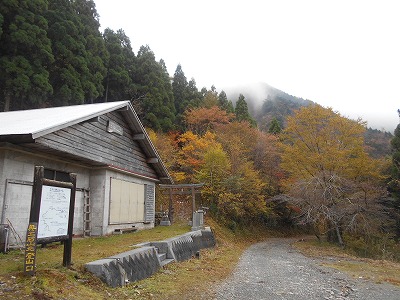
[
  {"x": 31, "y": 234},
  {"x": 193, "y": 201},
  {"x": 170, "y": 208},
  {"x": 67, "y": 257},
  {"x": 36, "y": 194},
  {"x": 30, "y": 249},
  {"x": 182, "y": 191}
]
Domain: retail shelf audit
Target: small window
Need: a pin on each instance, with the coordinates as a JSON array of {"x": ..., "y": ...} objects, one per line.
[{"x": 56, "y": 175}]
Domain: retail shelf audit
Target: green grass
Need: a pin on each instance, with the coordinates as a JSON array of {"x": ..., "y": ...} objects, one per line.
[
  {"x": 347, "y": 261},
  {"x": 88, "y": 249},
  {"x": 191, "y": 279},
  {"x": 182, "y": 280}
]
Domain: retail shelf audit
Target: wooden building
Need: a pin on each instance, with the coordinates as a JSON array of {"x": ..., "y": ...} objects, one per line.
[{"x": 107, "y": 147}]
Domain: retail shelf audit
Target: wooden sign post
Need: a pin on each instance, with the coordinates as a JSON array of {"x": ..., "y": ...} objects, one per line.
[
  {"x": 51, "y": 217},
  {"x": 30, "y": 249}
]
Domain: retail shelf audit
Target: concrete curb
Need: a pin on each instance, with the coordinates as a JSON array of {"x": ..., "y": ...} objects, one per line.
[{"x": 146, "y": 260}]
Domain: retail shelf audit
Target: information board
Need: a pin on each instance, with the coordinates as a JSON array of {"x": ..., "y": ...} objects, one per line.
[{"x": 54, "y": 211}]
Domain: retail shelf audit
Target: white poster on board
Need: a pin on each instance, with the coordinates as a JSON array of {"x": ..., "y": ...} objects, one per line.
[{"x": 54, "y": 211}]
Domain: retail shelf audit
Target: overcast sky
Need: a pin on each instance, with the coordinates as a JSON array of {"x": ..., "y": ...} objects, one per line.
[{"x": 341, "y": 54}]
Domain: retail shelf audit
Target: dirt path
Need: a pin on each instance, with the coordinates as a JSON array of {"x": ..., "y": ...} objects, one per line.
[{"x": 274, "y": 270}]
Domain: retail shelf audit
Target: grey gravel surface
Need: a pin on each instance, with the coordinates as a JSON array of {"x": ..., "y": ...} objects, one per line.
[{"x": 274, "y": 270}]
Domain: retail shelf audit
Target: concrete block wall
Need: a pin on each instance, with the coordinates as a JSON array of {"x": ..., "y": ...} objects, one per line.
[
  {"x": 144, "y": 261},
  {"x": 126, "y": 267}
]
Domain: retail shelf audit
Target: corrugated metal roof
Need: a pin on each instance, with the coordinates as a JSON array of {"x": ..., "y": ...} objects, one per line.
[
  {"x": 38, "y": 122},
  {"x": 35, "y": 123}
]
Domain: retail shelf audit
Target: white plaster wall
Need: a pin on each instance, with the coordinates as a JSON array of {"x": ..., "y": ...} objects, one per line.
[
  {"x": 97, "y": 196},
  {"x": 19, "y": 166},
  {"x": 16, "y": 165}
]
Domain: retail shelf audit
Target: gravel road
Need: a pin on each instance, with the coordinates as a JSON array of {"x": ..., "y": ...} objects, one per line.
[{"x": 274, "y": 270}]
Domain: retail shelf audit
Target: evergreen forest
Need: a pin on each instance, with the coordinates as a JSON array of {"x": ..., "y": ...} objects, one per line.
[{"x": 292, "y": 163}]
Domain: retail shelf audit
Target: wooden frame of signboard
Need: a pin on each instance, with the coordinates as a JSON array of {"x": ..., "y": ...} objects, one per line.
[{"x": 51, "y": 216}]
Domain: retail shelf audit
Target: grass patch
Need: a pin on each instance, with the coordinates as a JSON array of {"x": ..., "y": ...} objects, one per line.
[
  {"x": 184, "y": 280},
  {"x": 88, "y": 249},
  {"x": 375, "y": 270}
]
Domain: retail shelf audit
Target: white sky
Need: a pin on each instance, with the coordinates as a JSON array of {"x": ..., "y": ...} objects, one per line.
[{"x": 341, "y": 54}]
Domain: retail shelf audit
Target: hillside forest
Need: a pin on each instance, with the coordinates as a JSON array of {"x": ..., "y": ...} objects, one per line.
[{"x": 291, "y": 163}]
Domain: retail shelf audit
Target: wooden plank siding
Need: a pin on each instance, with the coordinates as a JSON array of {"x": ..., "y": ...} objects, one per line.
[
  {"x": 91, "y": 140},
  {"x": 149, "y": 203}
]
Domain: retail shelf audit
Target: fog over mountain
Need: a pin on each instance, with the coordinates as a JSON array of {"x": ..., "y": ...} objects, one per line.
[{"x": 257, "y": 93}]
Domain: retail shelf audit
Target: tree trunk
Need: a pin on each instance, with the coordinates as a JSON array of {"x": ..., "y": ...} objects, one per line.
[
  {"x": 106, "y": 96},
  {"x": 7, "y": 101},
  {"x": 316, "y": 232},
  {"x": 339, "y": 236}
]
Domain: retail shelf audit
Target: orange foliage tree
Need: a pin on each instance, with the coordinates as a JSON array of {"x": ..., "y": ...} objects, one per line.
[
  {"x": 191, "y": 153},
  {"x": 167, "y": 147},
  {"x": 233, "y": 159},
  {"x": 203, "y": 119}
]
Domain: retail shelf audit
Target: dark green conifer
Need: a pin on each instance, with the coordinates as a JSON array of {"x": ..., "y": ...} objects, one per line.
[
  {"x": 242, "y": 111},
  {"x": 25, "y": 54}
]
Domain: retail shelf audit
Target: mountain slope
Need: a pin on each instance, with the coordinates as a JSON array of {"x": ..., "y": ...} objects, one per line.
[{"x": 266, "y": 103}]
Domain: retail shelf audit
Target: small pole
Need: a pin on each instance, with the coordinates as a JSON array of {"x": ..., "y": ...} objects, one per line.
[
  {"x": 31, "y": 235},
  {"x": 170, "y": 208},
  {"x": 67, "y": 256},
  {"x": 193, "y": 200}
]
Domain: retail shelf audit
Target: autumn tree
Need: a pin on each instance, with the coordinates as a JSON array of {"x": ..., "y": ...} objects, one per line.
[
  {"x": 330, "y": 176},
  {"x": 203, "y": 119},
  {"x": 167, "y": 146},
  {"x": 238, "y": 139},
  {"x": 213, "y": 172},
  {"x": 246, "y": 188},
  {"x": 251, "y": 144},
  {"x": 192, "y": 149},
  {"x": 232, "y": 159},
  {"x": 234, "y": 196},
  {"x": 265, "y": 155}
]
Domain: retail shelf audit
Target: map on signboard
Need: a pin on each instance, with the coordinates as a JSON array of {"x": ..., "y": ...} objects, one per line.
[{"x": 54, "y": 211}]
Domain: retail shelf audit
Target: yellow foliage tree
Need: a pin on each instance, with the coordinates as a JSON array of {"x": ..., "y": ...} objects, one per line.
[
  {"x": 192, "y": 149},
  {"x": 328, "y": 168},
  {"x": 213, "y": 172},
  {"x": 317, "y": 139}
]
